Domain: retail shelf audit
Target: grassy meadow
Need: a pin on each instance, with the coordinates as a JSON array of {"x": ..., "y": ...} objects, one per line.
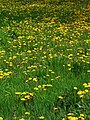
[{"x": 44, "y": 60}]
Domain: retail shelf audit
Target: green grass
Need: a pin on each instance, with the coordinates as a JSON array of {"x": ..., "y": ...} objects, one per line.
[{"x": 44, "y": 55}]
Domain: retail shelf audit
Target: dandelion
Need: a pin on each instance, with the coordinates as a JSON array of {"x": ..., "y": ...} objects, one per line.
[
  {"x": 35, "y": 79},
  {"x": 72, "y": 118},
  {"x": 82, "y": 115},
  {"x": 27, "y": 96},
  {"x": 21, "y": 119},
  {"x": 47, "y": 75},
  {"x": 81, "y": 96},
  {"x": 81, "y": 118},
  {"x": 1, "y": 77},
  {"x": 29, "y": 51},
  {"x": 88, "y": 71},
  {"x": 29, "y": 78},
  {"x": 14, "y": 57},
  {"x": 39, "y": 86},
  {"x": 22, "y": 99},
  {"x": 60, "y": 97},
  {"x": 27, "y": 113},
  {"x": 20, "y": 37},
  {"x": 10, "y": 64},
  {"x": 57, "y": 77},
  {"x": 69, "y": 68},
  {"x": 55, "y": 55},
  {"x": 31, "y": 94},
  {"x": 18, "y": 93},
  {"x": 48, "y": 85},
  {"x": 70, "y": 55},
  {"x": 80, "y": 92},
  {"x": 52, "y": 79},
  {"x": 36, "y": 88},
  {"x": 55, "y": 108},
  {"x": 1, "y": 118},
  {"x": 24, "y": 93},
  {"x": 63, "y": 119},
  {"x": 27, "y": 81},
  {"x": 86, "y": 90},
  {"x": 85, "y": 85},
  {"x": 88, "y": 85},
  {"x": 69, "y": 65},
  {"x": 70, "y": 114},
  {"x": 75, "y": 88},
  {"x": 50, "y": 55},
  {"x": 41, "y": 118},
  {"x": 52, "y": 72}
]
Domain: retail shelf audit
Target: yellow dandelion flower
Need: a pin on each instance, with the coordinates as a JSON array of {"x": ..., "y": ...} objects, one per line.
[
  {"x": 50, "y": 55},
  {"x": 69, "y": 68},
  {"x": 70, "y": 55},
  {"x": 88, "y": 70},
  {"x": 68, "y": 65},
  {"x": 10, "y": 64},
  {"x": 41, "y": 118},
  {"x": 39, "y": 86},
  {"x": 31, "y": 94},
  {"x": 21, "y": 119},
  {"x": 1, "y": 77},
  {"x": 55, "y": 108},
  {"x": 75, "y": 88},
  {"x": 20, "y": 37},
  {"x": 86, "y": 90},
  {"x": 81, "y": 118},
  {"x": 49, "y": 85},
  {"x": 14, "y": 57},
  {"x": 1, "y": 118},
  {"x": 27, "y": 81},
  {"x": 81, "y": 96},
  {"x": 27, "y": 96},
  {"x": 85, "y": 85},
  {"x": 10, "y": 58},
  {"x": 23, "y": 99},
  {"x": 45, "y": 56},
  {"x": 35, "y": 88},
  {"x": 18, "y": 93},
  {"x": 24, "y": 93},
  {"x": 57, "y": 77},
  {"x": 29, "y": 51},
  {"x": 47, "y": 75},
  {"x": 35, "y": 79},
  {"x": 80, "y": 92},
  {"x": 52, "y": 72},
  {"x": 72, "y": 118},
  {"x": 55, "y": 55},
  {"x": 82, "y": 115},
  {"x": 27, "y": 113},
  {"x": 88, "y": 85},
  {"x": 29, "y": 78},
  {"x": 70, "y": 114},
  {"x": 5, "y": 74},
  {"x": 60, "y": 97}
]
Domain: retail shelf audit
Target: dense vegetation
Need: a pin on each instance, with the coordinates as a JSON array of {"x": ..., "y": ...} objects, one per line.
[{"x": 44, "y": 60}]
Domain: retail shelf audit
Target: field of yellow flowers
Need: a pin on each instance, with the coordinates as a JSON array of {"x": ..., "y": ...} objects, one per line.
[{"x": 44, "y": 60}]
